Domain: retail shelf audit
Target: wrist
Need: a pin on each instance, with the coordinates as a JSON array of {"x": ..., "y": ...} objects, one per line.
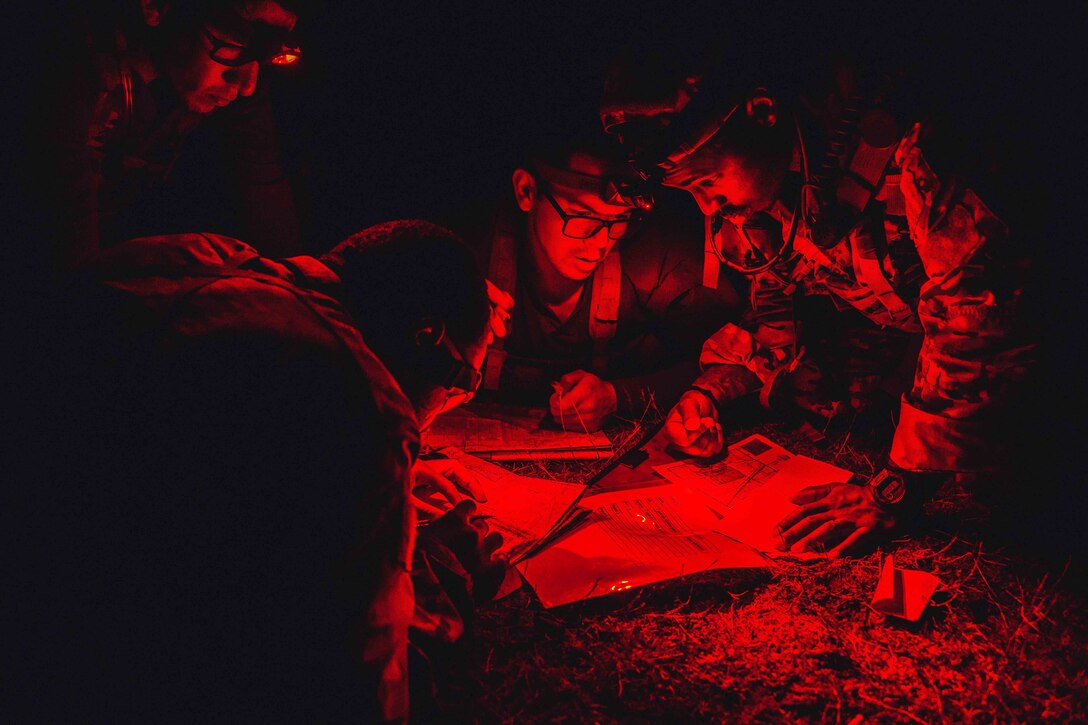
[
  {"x": 696, "y": 390},
  {"x": 904, "y": 492}
]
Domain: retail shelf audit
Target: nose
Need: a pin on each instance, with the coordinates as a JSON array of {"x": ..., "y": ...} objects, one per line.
[
  {"x": 244, "y": 77},
  {"x": 601, "y": 238}
]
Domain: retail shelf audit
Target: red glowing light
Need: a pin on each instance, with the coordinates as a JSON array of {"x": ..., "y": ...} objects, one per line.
[{"x": 287, "y": 57}]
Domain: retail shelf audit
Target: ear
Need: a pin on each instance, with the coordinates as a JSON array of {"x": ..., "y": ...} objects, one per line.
[
  {"x": 429, "y": 332},
  {"x": 153, "y": 11},
  {"x": 762, "y": 108},
  {"x": 524, "y": 189}
]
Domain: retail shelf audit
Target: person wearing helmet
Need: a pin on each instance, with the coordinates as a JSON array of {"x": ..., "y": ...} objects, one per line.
[
  {"x": 855, "y": 250},
  {"x": 608, "y": 312},
  {"x": 113, "y": 111}
]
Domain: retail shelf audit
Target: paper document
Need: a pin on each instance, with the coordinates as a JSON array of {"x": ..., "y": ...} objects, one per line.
[
  {"x": 510, "y": 438},
  {"x": 632, "y": 538},
  {"x": 752, "y": 485},
  {"x": 525, "y": 510}
]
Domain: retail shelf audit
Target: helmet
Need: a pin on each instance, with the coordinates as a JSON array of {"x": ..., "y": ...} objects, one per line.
[{"x": 663, "y": 115}]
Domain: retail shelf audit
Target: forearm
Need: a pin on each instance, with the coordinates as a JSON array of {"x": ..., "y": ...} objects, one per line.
[
  {"x": 664, "y": 387},
  {"x": 726, "y": 383}
]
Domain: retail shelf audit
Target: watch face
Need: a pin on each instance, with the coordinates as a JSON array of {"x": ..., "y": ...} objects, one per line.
[{"x": 889, "y": 488}]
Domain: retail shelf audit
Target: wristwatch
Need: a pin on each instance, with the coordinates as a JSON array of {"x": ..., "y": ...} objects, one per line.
[
  {"x": 888, "y": 487},
  {"x": 904, "y": 492}
]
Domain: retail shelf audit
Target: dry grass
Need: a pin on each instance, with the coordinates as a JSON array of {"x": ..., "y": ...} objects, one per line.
[{"x": 1005, "y": 639}]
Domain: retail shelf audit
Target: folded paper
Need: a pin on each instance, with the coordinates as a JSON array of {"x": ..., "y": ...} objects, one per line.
[{"x": 903, "y": 593}]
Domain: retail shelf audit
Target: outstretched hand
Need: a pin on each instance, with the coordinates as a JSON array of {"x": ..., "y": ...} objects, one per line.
[
  {"x": 692, "y": 425},
  {"x": 839, "y": 518},
  {"x": 582, "y": 401}
]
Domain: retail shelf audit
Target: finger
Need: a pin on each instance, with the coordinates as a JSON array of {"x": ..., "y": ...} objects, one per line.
[
  {"x": 706, "y": 444},
  {"x": 793, "y": 518},
  {"x": 810, "y": 494},
  {"x": 439, "y": 484},
  {"x": 852, "y": 543},
  {"x": 823, "y": 537},
  {"x": 566, "y": 382},
  {"x": 426, "y": 511},
  {"x": 677, "y": 432},
  {"x": 492, "y": 543},
  {"x": 580, "y": 394},
  {"x": 466, "y": 481},
  {"x": 463, "y": 510},
  {"x": 806, "y": 525},
  {"x": 498, "y": 296}
]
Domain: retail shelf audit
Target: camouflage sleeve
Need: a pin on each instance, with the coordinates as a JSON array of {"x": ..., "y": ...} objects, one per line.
[
  {"x": 974, "y": 351},
  {"x": 741, "y": 359}
]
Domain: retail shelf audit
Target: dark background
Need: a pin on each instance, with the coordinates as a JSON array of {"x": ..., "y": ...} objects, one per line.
[{"x": 417, "y": 109}]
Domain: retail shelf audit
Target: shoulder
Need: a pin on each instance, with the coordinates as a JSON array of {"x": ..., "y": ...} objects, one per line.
[{"x": 177, "y": 251}]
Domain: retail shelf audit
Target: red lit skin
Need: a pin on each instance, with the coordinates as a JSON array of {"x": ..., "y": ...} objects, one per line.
[
  {"x": 201, "y": 83},
  {"x": 692, "y": 425},
  {"x": 560, "y": 266},
  {"x": 716, "y": 180},
  {"x": 836, "y": 518},
  {"x": 444, "y": 479}
]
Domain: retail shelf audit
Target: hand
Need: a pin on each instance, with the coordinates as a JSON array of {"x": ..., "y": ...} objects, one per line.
[
  {"x": 802, "y": 389},
  {"x": 501, "y": 305},
  {"x": 441, "y": 481},
  {"x": 465, "y": 534},
  {"x": 692, "y": 425},
  {"x": 838, "y": 518},
  {"x": 582, "y": 401}
]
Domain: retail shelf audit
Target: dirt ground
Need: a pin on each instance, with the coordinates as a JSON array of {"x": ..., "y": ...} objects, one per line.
[{"x": 1004, "y": 639}]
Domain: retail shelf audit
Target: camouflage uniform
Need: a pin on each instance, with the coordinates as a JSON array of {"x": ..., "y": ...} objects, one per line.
[{"x": 924, "y": 258}]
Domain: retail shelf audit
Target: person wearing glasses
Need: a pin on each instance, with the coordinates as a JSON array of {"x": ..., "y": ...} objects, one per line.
[
  {"x": 870, "y": 252},
  {"x": 228, "y": 509},
  {"x": 608, "y": 306},
  {"x": 116, "y": 106}
]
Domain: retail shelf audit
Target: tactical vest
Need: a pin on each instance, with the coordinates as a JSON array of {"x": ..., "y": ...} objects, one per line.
[
  {"x": 852, "y": 175},
  {"x": 604, "y": 301}
]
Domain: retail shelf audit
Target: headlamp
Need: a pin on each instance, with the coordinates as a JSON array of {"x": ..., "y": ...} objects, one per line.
[
  {"x": 268, "y": 48},
  {"x": 629, "y": 192}
]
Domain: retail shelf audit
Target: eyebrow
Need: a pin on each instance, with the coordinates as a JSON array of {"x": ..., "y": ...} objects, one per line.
[{"x": 686, "y": 177}]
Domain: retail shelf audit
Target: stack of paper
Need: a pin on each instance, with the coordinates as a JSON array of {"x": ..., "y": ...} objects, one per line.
[
  {"x": 525, "y": 510},
  {"x": 633, "y": 538},
  {"x": 720, "y": 515},
  {"x": 752, "y": 486},
  {"x": 513, "y": 439}
]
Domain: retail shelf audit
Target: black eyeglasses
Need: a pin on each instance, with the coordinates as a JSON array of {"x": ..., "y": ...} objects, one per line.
[
  {"x": 580, "y": 226},
  {"x": 234, "y": 55}
]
